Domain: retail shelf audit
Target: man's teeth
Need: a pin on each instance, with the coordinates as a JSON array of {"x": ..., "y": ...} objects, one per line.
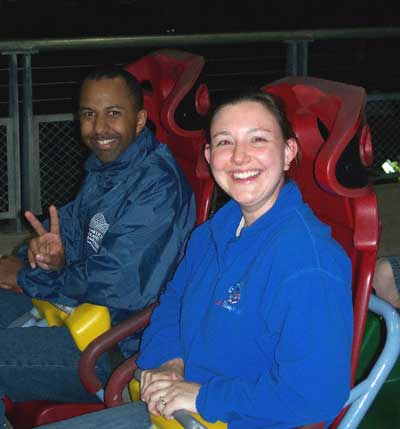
[
  {"x": 245, "y": 174},
  {"x": 105, "y": 142}
]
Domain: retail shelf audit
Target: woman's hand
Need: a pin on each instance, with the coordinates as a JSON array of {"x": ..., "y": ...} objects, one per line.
[
  {"x": 165, "y": 392},
  {"x": 169, "y": 371},
  {"x": 173, "y": 396}
]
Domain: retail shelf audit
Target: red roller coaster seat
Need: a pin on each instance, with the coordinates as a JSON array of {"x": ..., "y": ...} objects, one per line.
[
  {"x": 328, "y": 118},
  {"x": 177, "y": 102}
]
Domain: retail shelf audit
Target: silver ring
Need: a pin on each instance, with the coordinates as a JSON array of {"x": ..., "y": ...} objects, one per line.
[{"x": 162, "y": 401}]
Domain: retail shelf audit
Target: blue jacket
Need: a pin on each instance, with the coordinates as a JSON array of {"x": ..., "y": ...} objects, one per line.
[
  {"x": 123, "y": 235},
  {"x": 262, "y": 321}
]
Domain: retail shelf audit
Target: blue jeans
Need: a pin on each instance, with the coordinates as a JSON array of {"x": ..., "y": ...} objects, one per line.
[
  {"x": 39, "y": 363},
  {"x": 1, "y": 410},
  {"x": 129, "y": 416}
]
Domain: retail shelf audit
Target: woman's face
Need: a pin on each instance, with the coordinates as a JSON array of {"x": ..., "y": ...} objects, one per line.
[{"x": 248, "y": 156}]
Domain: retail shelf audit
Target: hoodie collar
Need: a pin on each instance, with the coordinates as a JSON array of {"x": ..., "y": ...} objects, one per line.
[
  {"x": 137, "y": 150},
  {"x": 225, "y": 222}
]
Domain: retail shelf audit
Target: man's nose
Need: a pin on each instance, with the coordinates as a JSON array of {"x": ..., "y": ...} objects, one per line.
[{"x": 100, "y": 124}]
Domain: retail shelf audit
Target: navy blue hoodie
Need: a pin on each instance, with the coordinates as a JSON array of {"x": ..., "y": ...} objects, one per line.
[
  {"x": 262, "y": 321},
  {"x": 123, "y": 235}
]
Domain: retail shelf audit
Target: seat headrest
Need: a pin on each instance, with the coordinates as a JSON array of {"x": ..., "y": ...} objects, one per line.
[
  {"x": 337, "y": 108},
  {"x": 168, "y": 78}
]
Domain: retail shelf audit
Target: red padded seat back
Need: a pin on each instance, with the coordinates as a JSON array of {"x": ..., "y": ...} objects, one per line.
[
  {"x": 328, "y": 119},
  {"x": 177, "y": 102}
]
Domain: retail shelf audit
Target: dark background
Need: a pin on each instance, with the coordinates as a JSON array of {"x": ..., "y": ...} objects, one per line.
[
  {"x": 370, "y": 63},
  {"x": 56, "y": 75},
  {"x": 74, "y": 18}
]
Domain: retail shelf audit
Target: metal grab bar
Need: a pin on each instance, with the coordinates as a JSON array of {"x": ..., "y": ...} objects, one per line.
[{"x": 362, "y": 395}]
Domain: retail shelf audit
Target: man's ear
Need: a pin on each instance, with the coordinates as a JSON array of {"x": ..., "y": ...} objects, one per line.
[
  {"x": 207, "y": 152},
  {"x": 141, "y": 120}
]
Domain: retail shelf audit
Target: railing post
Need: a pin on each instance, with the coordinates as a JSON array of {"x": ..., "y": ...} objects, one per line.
[
  {"x": 297, "y": 58},
  {"x": 30, "y": 153},
  {"x": 303, "y": 57},
  {"x": 14, "y": 174}
]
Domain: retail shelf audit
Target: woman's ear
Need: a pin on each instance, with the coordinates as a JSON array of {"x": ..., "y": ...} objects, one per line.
[
  {"x": 291, "y": 148},
  {"x": 207, "y": 154}
]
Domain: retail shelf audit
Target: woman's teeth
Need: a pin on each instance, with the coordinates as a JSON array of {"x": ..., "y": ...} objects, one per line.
[{"x": 245, "y": 174}]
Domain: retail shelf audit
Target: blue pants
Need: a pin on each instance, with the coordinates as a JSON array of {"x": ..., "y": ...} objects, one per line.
[
  {"x": 39, "y": 363},
  {"x": 395, "y": 264},
  {"x": 130, "y": 416}
]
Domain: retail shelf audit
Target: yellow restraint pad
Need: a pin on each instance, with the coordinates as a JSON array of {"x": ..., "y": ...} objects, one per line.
[{"x": 85, "y": 323}]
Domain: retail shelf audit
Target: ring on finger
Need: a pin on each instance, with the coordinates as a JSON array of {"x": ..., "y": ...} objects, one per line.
[{"x": 162, "y": 401}]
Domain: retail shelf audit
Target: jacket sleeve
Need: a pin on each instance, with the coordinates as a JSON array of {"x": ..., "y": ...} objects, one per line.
[
  {"x": 135, "y": 259},
  {"x": 310, "y": 377}
]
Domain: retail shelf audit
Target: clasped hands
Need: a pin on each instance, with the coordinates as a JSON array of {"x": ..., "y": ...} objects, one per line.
[{"x": 165, "y": 391}]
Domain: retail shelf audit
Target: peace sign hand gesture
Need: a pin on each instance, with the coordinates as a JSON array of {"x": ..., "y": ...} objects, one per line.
[{"x": 46, "y": 250}]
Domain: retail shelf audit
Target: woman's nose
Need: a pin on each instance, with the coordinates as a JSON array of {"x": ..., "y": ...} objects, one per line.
[{"x": 240, "y": 154}]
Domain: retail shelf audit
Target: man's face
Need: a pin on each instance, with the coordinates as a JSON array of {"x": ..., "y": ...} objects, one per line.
[{"x": 109, "y": 119}]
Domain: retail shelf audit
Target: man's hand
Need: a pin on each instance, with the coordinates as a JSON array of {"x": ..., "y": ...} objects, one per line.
[
  {"x": 9, "y": 267},
  {"x": 46, "y": 251}
]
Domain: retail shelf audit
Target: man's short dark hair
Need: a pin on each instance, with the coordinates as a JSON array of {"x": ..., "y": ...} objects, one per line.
[{"x": 112, "y": 72}]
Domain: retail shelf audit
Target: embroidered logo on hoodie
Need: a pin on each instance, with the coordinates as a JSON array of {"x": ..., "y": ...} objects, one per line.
[
  {"x": 98, "y": 226},
  {"x": 231, "y": 303}
]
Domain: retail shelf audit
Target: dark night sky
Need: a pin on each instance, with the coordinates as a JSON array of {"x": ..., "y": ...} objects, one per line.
[{"x": 73, "y": 18}]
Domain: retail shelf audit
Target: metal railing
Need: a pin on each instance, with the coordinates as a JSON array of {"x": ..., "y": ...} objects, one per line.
[
  {"x": 7, "y": 165},
  {"x": 383, "y": 117},
  {"x": 296, "y": 57}
]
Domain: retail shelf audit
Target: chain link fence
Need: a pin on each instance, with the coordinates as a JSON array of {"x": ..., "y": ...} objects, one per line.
[
  {"x": 61, "y": 157},
  {"x": 383, "y": 116},
  {"x": 4, "y": 194}
]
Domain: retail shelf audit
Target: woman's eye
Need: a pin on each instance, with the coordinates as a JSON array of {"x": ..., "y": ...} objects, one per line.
[
  {"x": 259, "y": 139},
  {"x": 222, "y": 143}
]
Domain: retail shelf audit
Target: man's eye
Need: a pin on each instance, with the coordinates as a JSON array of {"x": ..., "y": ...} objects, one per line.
[
  {"x": 114, "y": 113},
  {"x": 87, "y": 114}
]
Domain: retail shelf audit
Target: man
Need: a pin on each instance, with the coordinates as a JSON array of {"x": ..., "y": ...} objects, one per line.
[{"x": 115, "y": 245}]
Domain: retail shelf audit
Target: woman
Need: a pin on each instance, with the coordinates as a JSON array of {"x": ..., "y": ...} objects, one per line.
[{"x": 255, "y": 329}]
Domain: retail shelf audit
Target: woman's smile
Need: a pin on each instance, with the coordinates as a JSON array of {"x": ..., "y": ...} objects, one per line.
[{"x": 248, "y": 156}]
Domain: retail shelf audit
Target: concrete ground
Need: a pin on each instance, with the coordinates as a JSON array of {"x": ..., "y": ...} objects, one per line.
[
  {"x": 9, "y": 239},
  {"x": 389, "y": 212}
]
